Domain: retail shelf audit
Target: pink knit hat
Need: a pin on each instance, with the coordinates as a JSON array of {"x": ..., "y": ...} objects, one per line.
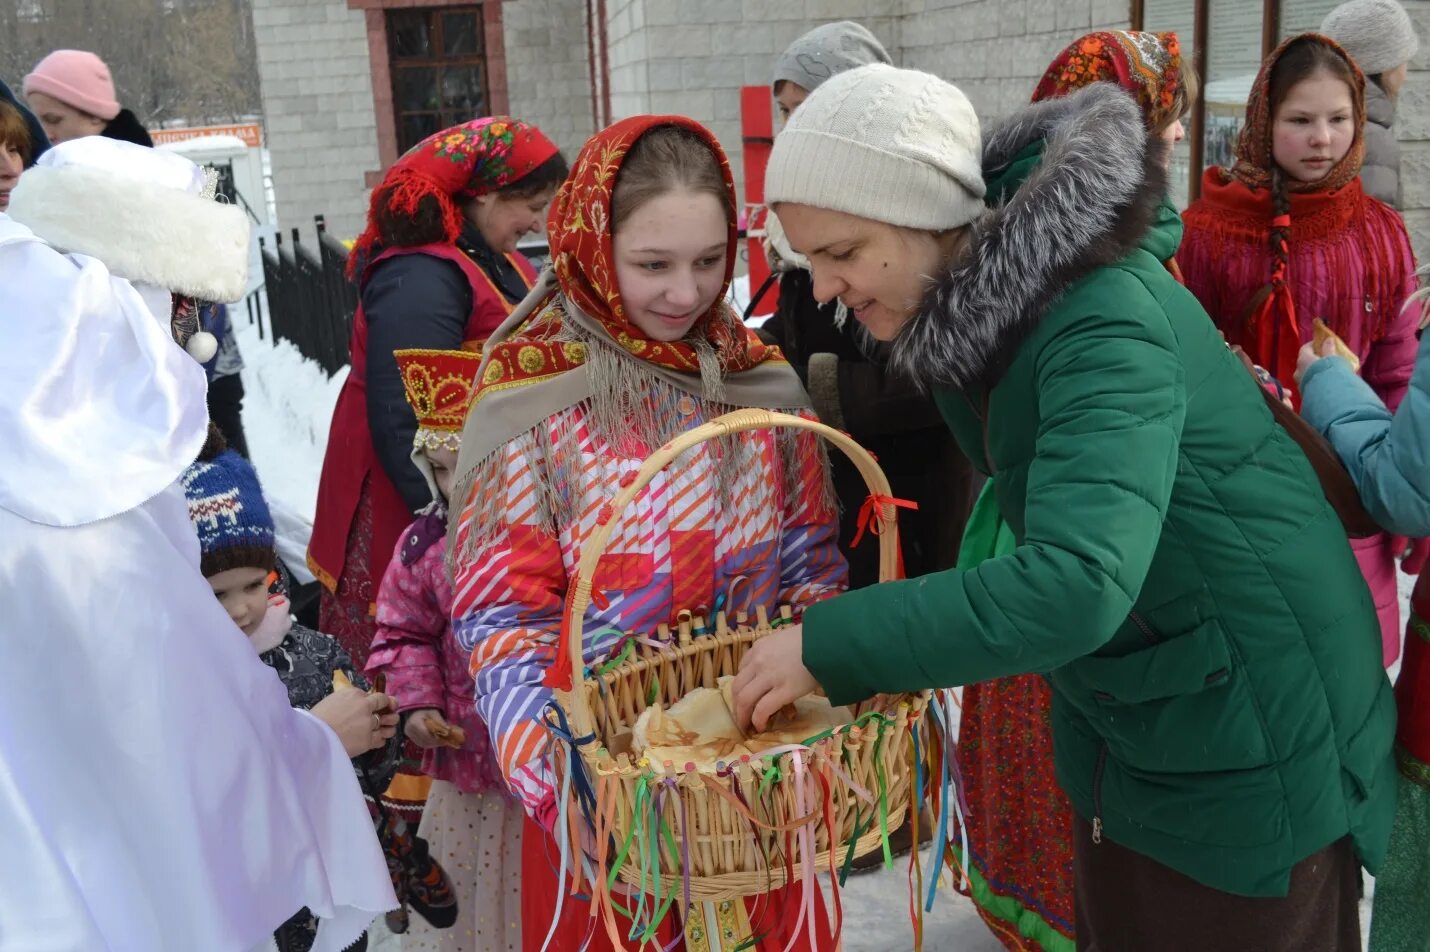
[{"x": 77, "y": 79}]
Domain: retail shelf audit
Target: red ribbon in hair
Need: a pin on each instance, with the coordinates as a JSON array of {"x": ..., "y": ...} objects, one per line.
[{"x": 1273, "y": 329}]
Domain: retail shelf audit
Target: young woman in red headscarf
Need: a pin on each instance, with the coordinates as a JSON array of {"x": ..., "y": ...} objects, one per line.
[
  {"x": 1020, "y": 862},
  {"x": 632, "y": 344},
  {"x": 1287, "y": 235},
  {"x": 438, "y": 269}
]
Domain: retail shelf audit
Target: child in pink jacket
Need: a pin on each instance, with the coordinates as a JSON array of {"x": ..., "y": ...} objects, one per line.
[{"x": 471, "y": 823}]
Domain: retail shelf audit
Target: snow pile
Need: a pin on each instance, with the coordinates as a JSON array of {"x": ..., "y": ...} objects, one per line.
[{"x": 287, "y": 406}]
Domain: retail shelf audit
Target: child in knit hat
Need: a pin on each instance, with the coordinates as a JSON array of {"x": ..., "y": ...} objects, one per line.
[
  {"x": 472, "y": 824},
  {"x": 237, "y": 557},
  {"x": 1381, "y": 39},
  {"x": 823, "y": 52}
]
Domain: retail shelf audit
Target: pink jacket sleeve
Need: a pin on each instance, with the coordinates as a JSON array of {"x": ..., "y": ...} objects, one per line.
[
  {"x": 1392, "y": 358},
  {"x": 411, "y": 621},
  {"x": 811, "y": 566}
]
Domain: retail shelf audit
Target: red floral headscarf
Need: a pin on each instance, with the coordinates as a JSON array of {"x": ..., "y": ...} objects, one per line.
[
  {"x": 581, "y": 239},
  {"x": 1254, "y": 161},
  {"x": 1147, "y": 65},
  {"x": 453, "y": 166}
]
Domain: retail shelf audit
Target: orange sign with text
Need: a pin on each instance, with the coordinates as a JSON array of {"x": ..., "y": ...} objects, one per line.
[{"x": 249, "y": 132}]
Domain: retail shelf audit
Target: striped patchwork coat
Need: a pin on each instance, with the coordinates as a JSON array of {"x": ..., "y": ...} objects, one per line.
[{"x": 683, "y": 543}]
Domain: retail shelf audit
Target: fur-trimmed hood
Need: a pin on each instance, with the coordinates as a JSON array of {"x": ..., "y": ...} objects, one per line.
[
  {"x": 139, "y": 211},
  {"x": 1087, "y": 203}
]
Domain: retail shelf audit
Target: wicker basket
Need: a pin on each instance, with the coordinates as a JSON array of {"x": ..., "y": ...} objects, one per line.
[{"x": 740, "y": 827}]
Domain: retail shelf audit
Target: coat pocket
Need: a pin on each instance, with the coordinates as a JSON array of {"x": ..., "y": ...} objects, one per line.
[{"x": 1181, "y": 706}]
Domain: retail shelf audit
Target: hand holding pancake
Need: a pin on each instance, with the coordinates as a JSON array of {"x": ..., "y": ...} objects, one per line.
[{"x": 772, "y": 675}]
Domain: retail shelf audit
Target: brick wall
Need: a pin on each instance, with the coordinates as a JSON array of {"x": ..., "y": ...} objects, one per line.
[
  {"x": 315, "y": 77},
  {"x": 547, "y": 69}
]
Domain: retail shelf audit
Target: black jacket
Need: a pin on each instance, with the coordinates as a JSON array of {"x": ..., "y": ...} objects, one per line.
[
  {"x": 418, "y": 301},
  {"x": 843, "y": 370}
]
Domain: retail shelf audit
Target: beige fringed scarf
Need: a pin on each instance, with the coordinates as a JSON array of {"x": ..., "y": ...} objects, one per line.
[{"x": 629, "y": 404}]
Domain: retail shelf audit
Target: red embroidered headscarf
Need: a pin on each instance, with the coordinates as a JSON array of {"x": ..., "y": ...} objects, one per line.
[
  {"x": 1254, "y": 146},
  {"x": 1272, "y": 332},
  {"x": 1147, "y": 65},
  {"x": 451, "y": 167},
  {"x": 579, "y": 229}
]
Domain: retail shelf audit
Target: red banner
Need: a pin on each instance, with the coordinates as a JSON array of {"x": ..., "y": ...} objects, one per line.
[{"x": 758, "y": 131}]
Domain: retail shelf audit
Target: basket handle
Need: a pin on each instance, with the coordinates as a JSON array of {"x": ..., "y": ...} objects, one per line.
[{"x": 739, "y": 421}]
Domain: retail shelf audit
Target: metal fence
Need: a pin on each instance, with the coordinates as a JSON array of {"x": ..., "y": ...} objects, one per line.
[{"x": 310, "y": 300}]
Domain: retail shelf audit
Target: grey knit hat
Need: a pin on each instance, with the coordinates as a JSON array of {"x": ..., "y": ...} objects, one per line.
[
  {"x": 1377, "y": 33},
  {"x": 891, "y": 145},
  {"x": 827, "y": 51}
]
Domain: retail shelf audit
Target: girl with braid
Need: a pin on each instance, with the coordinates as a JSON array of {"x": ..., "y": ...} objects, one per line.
[{"x": 1287, "y": 235}]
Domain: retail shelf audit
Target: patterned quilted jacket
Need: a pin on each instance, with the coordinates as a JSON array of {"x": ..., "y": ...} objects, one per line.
[{"x": 683, "y": 543}]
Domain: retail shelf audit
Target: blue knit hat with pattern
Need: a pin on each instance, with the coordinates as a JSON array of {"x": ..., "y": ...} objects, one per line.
[{"x": 229, "y": 513}]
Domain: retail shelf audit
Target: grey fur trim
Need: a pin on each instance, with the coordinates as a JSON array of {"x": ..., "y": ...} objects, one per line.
[{"x": 1088, "y": 204}]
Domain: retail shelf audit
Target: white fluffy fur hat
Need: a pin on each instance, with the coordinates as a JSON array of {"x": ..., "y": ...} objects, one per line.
[{"x": 142, "y": 212}]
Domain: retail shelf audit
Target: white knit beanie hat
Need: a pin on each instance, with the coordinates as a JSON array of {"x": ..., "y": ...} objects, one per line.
[
  {"x": 1377, "y": 33},
  {"x": 887, "y": 144}
]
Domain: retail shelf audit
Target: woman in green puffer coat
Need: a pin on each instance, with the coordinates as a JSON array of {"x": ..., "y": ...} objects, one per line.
[{"x": 1222, "y": 725}]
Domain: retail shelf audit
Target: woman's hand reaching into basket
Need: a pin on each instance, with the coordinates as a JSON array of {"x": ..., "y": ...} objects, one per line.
[{"x": 771, "y": 675}]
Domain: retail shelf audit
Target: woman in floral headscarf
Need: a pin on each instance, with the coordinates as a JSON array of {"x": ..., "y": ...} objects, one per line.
[
  {"x": 1287, "y": 235},
  {"x": 1020, "y": 824},
  {"x": 631, "y": 344},
  {"x": 438, "y": 269}
]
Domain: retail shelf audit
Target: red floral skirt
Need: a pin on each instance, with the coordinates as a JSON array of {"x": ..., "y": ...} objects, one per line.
[
  {"x": 1020, "y": 823},
  {"x": 775, "y": 917},
  {"x": 350, "y": 613}
]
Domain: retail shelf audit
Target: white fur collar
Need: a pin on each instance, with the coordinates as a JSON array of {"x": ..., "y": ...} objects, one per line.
[{"x": 144, "y": 232}]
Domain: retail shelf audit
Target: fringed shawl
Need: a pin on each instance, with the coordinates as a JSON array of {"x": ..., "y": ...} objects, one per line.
[
  {"x": 569, "y": 345},
  {"x": 1349, "y": 263}
]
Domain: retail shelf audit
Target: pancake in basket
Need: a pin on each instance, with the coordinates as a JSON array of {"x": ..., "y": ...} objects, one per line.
[{"x": 700, "y": 729}]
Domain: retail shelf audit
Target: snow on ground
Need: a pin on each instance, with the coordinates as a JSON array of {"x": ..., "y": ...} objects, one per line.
[{"x": 288, "y": 404}]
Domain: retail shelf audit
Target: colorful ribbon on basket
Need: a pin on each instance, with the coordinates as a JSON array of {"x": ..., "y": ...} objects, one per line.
[
  {"x": 814, "y": 774},
  {"x": 872, "y": 517}
]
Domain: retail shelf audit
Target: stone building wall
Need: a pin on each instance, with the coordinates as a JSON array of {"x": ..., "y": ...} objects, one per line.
[
  {"x": 548, "y": 72},
  {"x": 1412, "y": 128},
  {"x": 996, "y": 50},
  {"x": 691, "y": 57},
  {"x": 319, "y": 126}
]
